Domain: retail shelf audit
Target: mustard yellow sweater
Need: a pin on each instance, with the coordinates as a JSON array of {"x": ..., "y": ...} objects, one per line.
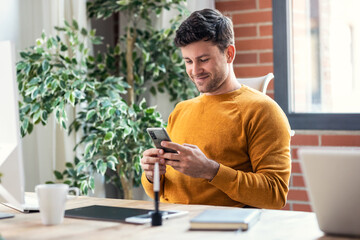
[{"x": 248, "y": 134}]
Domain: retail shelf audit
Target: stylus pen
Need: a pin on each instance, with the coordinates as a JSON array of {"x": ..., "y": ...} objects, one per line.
[
  {"x": 156, "y": 186},
  {"x": 156, "y": 218}
]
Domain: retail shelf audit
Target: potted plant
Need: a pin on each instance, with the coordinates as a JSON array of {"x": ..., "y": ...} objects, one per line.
[{"x": 108, "y": 87}]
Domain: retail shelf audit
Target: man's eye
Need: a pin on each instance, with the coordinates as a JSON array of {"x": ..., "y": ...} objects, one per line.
[
  {"x": 188, "y": 61},
  {"x": 204, "y": 60}
]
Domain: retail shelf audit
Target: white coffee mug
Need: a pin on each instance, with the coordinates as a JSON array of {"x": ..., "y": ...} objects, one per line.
[{"x": 52, "y": 199}]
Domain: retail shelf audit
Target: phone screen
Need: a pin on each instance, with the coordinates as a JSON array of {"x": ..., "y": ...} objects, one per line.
[{"x": 158, "y": 135}]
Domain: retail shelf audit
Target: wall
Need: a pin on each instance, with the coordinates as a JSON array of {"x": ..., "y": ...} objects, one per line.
[
  {"x": 253, "y": 39},
  {"x": 252, "y": 21}
]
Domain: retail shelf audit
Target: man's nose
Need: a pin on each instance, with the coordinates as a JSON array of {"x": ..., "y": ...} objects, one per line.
[{"x": 197, "y": 69}]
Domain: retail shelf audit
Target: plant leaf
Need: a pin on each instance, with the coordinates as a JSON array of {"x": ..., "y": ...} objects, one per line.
[
  {"x": 103, "y": 167},
  {"x": 58, "y": 175},
  {"x": 112, "y": 159},
  {"x": 109, "y": 136},
  {"x": 127, "y": 131},
  {"x": 90, "y": 114},
  {"x": 111, "y": 165},
  {"x": 91, "y": 182},
  {"x": 83, "y": 31},
  {"x": 84, "y": 187},
  {"x": 75, "y": 24}
]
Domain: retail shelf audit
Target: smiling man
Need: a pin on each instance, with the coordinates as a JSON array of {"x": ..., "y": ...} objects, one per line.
[{"x": 232, "y": 142}]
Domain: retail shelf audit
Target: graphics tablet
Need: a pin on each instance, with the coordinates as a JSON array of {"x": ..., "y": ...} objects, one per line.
[{"x": 118, "y": 214}]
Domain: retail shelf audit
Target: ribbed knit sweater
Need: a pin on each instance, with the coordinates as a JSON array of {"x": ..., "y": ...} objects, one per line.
[{"x": 248, "y": 134}]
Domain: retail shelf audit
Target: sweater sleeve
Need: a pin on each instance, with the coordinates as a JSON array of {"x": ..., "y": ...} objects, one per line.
[
  {"x": 268, "y": 136},
  {"x": 149, "y": 186}
]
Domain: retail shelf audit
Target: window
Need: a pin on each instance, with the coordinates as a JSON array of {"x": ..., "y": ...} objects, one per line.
[{"x": 317, "y": 62}]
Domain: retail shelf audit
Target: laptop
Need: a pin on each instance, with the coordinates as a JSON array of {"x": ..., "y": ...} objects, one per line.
[
  {"x": 332, "y": 176},
  {"x": 11, "y": 161}
]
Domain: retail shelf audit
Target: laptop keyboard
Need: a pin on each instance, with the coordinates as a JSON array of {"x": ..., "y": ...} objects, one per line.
[{"x": 31, "y": 204}]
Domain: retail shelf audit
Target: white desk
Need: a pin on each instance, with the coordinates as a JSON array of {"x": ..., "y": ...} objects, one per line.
[{"x": 274, "y": 224}]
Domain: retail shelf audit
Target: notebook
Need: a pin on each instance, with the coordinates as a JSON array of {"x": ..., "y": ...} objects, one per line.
[
  {"x": 225, "y": 219},
  {"x": 332, "y": 176}
]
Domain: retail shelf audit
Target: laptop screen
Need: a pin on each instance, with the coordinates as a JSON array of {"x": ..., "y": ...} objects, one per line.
[
  {"x": 333, "y": 181},
  {"x": 11, "y": 165}
]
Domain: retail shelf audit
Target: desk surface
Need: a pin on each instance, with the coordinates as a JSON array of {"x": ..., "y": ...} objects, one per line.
[{"x": 274, "y": 224}]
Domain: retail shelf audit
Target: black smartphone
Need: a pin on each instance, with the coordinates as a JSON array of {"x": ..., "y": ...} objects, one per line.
[{"x": 158, "y": 135}]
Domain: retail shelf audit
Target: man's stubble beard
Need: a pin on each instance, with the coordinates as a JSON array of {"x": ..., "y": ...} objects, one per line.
[{"x": 211, "y": 86}]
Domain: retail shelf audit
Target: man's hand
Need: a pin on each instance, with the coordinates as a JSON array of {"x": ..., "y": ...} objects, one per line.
[
  {"x": 150, "y": 157},
  {"x": 190, "y": 160}
]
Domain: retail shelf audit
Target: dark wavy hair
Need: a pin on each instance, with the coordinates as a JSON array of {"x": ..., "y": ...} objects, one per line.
[{"x": 207, "y": 25}]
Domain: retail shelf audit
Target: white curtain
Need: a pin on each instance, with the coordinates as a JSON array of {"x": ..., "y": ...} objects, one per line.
[{"x": 47, "y": 148}]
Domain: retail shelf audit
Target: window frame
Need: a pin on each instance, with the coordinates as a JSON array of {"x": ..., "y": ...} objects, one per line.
[{"x": 282, "y": 71}]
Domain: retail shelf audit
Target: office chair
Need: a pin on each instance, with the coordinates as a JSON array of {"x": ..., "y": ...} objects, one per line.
[{"x": 258, "y": 83}]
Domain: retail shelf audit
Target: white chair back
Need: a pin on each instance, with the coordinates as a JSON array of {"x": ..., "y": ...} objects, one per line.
[{"x": 258, "y": 83}]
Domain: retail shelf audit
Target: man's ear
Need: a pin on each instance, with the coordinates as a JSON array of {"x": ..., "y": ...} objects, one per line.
[{"x": 230, "y": 53}]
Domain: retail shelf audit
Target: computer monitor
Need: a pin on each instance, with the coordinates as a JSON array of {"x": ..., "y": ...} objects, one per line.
[{"x": 11, "y": 162}]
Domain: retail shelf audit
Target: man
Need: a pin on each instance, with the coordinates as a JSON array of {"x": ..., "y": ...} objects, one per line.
[{"x": 232, "y": 141}]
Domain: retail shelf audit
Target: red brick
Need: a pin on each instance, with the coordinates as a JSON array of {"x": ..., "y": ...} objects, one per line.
[
  {"x": 340, "y": 140},
  {"x": 245, "y": 31},
  {"x": 266, "y": 30},
  {"x": 287, "y": 207},
  {"x": 254, "y": 44},
  {"x": 298, "y": 195},
  {"x": 235, "y": 5},
  {"x": 266, "y": 57},
  {"x": 298, "y": 181},
  {"x": 295, "y": 167},
  {"x": 253, "y": 17},
  {"x": 265, "y": 4},
  {"x": 271, "y": 85},
  {"x": 245, "y": 58},
  {"x": 294, "y": 154},
  {"x": 302, "y": 207},
  {"x": 252, "y": 71},
  {"x": 271, "y": 95},
  {"x": 305, "y": 140}
]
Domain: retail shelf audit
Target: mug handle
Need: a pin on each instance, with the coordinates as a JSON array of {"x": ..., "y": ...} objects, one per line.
[{"x": 74, "y": 189}]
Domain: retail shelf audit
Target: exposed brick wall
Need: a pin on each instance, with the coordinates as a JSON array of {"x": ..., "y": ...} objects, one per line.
[
  {"x": 298, "y": 198},
  {"x": 253, "y": 36},
  {"x": 254, "y": 57}
]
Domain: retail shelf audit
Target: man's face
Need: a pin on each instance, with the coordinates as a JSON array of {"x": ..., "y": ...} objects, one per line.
[{"x": 206, "y": 66}]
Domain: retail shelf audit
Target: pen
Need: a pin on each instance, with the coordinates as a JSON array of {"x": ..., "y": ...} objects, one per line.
[
  {"x": 156, "y": 186},
  {"x": 156, "y": 218}
]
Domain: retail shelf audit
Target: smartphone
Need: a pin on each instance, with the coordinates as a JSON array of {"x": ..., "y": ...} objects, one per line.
[{"x": 158, "y": 135}]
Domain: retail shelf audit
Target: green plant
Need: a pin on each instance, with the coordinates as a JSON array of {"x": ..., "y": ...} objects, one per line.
[
  {"x": 148, "y": 54},
  {"x": 108, "y": 86}
]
